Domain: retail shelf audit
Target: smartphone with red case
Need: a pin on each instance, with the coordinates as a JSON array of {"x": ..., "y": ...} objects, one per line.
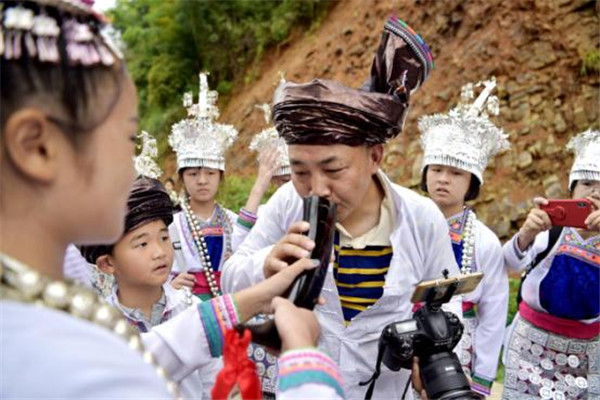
[{"x": 568, "y": 212}]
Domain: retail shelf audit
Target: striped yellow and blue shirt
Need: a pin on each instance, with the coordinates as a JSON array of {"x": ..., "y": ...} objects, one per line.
[
  {"x": 360, "y": 276},
  {"x": 361, "y": 263}
]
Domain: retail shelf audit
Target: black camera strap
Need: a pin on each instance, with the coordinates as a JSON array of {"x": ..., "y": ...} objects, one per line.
[
  {"x": 553, "y": 237},
  {"x": 373, "y": 378}
]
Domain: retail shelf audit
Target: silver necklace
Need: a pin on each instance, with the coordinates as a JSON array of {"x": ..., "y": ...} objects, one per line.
[
  {"x": 196, "y": 230},
  {"x": 468, "y": 239},
  {"x": 23, "y": 284}
]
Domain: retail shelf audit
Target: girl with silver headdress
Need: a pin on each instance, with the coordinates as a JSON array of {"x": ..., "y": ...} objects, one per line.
[
  {"x": 457, "y": 147},
  {"x": 552, "y": 345},
  {"x": 267, "y": 142},
  {"x": 68, "y": 106},
  {"x": 273, "y": 163},
  {"x": 204, "y": 233}
]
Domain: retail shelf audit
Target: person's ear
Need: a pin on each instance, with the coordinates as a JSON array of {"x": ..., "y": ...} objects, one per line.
[
  {"x": 376, "y": 156},
  {"x": 106, "y": 264},
  {"x": 32, "y": 144}
]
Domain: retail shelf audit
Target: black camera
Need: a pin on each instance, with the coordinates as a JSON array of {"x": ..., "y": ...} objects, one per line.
[{"x": 430, "y": 335}]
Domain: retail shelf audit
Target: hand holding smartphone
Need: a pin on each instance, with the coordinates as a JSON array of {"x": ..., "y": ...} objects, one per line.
[
  {"x": 568, "y": 212},
  {"x": 305, "y": 290},
  {"x": 320, "y": 214}
]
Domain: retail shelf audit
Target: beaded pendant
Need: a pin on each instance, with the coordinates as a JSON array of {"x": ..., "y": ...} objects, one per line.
[
  {"x": 468, "y": 239},
  {"x": 196, "y": 230}
]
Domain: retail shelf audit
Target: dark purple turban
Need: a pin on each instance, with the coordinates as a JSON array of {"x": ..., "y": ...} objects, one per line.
[
  {"x": 147, "y": 202},
  {"x": 327, "y": 112}
]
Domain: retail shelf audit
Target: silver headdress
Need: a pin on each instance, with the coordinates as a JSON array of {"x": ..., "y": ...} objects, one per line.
[
  {"x": 145, "y": 163},
  {"x": 268, "y": 139},
  {"x": 198, "y": 140},
  {"x": 586, "y": 165},
  {"x": 464, "y": 138},
  {"x": 37, "y": 33}
]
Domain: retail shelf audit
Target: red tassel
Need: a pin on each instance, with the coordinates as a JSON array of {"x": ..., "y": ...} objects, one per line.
[{"x": 237, "y": 369}]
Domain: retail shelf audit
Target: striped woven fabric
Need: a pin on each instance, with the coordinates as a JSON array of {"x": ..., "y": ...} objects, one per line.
[
  {"x": 360, "y": 276},
  {"x": 414, "y": 40}
]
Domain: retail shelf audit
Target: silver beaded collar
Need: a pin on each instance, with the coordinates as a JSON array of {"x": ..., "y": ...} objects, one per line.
[
  {"x": 195, "y": 228},
  {"x": 468, "y": 239},
  {"x": 23, "y": 284}
]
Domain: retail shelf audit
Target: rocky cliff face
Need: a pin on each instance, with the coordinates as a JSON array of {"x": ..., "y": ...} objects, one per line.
[{"x": 544, "y": 54}]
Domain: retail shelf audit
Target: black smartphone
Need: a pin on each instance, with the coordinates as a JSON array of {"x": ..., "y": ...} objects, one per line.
[{"x": 320, "y": 213}]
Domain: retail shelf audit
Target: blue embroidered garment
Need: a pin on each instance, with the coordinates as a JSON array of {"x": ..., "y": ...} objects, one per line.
[{"x": 571, "y": 288}]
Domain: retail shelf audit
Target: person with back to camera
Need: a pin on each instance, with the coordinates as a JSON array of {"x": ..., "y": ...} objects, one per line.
[{"x": 68, "y": 106}]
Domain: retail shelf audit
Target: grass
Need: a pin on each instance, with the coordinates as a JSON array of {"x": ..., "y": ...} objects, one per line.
[
  {"x": 513, "y": 288},
  {"x": 590, "y": 63},
  {"x": 234, "y": 192}
]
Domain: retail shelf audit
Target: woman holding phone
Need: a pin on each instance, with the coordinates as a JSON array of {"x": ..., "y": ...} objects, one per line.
[{"x": 552, "y": 345}]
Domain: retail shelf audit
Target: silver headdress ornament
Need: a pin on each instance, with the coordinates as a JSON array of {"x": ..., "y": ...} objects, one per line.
[
  {"x": 586, "y": 165},
  {"x": 464, "y": 138},
  {"x": 37, "y": 34},
  {"x": 145, "y": 163},
  {"x": 198, "y": 140},
  {"x": 268, "y": 139}
]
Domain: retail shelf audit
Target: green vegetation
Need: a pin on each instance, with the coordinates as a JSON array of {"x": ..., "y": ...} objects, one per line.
[
  {"x": 513, "y": 287},
  {"x": 234, "y": 192},
  {"x": 590, "y": 63},
  {"x": 168, "y": 42}
]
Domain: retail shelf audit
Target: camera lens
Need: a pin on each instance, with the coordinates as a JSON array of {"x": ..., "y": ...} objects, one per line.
[{"x": 444, "y": 378}]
